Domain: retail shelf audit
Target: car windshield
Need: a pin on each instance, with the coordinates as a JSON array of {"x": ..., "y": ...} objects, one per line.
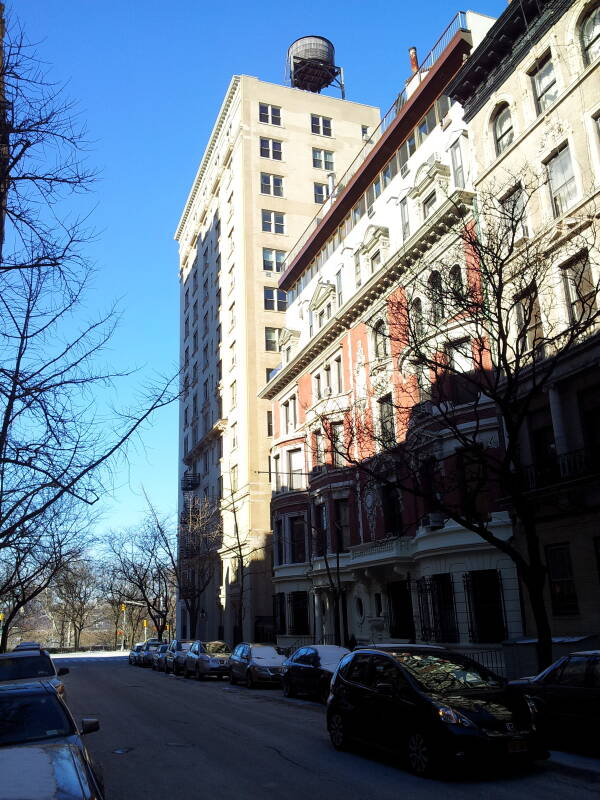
[
  {"x": 185, "y": 645},
  {"x": 28, "y": 718},
  {"x": 266, "y": 654},
  {"x": 217, "y": 647},
  {"x": 439, "y": 673},
  {"x": 14, "y": 669}
]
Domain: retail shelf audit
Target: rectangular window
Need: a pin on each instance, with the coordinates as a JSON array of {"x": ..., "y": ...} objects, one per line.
[
  {"x": 513, "y": 222},
  {"x": 273, "y": 259},
  {"x": 580, "y": 291},
  {"x": 337, "y": 444},
  {"x": 233, "y": 478},
  {"x": 297, "y": 540},
  {"x": 319, "y": 448},
  {"x": 321, "y": 192},
  {"x": 272, "y": 339},
  {"x": 428, "y": 205},
  {"x": 273, "y": 221},
  {"x": 339, "y": 288},
  {"x": 563, "y": 593},
  {"x": 233, "y": 394},
  {"x": 271, "y": 184},
  {"x": 407, "y": 148},
  {"x": 561, "y": 179},
  {"x": 234, "y": 439},
  {"x": 271, "y": 148},
  {"x": 270, "y": 372},
  {"x": 270, "y": 114},
  {"x": 427, "y": 124},
  {"x": 317, "y": 381},
  {"x": 543, "y": 80},
  {"x": 386, "y": 421},
  {"x": 320, "y": 125},
  {"x": 404, "y": 218},
  {"x": 457, "y": 165},
  {"x": 375, "y": 261},
  {"x": 357, "y": 269},
  {"x": 341, "y": 512},
  {"x": 322, "y": 159},
  {"x": 295, "y": 464},
  {"x": 269, "y": 423},
  {"x": 274, "y": 299}
]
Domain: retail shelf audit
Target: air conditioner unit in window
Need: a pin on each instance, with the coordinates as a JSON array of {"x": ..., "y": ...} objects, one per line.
[
  {"x": 370, "y": 211},
  {"x": 268, "y": 274},
  {"x": 433, "y": 521}
]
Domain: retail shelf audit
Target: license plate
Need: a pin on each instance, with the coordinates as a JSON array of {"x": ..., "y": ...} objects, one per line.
[{"x": 517, "y": 747}]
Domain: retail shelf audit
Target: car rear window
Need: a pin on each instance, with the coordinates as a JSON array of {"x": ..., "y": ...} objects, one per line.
[
  {"x": 440, "y": 673},
  {"x": 28, "y": 718},
  {"x": 217, "y": 647},
  {"x": 14, "y": 669}
]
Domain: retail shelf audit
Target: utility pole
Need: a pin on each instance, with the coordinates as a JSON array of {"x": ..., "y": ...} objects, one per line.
[{"x": 124, "y": 610}]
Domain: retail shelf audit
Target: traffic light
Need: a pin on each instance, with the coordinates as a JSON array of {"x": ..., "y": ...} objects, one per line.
[
  {"x": 145, "y": 623},
  {"x": 123, "y": 606}
]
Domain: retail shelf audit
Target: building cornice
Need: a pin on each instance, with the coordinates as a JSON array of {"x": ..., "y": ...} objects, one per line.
[
  {"x": 455, "y": 208},
  {"x": 210, "y": 148},
  {"x": 507, "y": 43}
]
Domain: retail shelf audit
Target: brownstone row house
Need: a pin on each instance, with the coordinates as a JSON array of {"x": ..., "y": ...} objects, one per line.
[{"x": 389, "y": 449}]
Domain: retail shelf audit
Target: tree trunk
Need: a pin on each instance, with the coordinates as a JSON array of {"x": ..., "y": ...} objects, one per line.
[
  {"x": 337, "y": 629},
  {"x": 535, "y": 590}
]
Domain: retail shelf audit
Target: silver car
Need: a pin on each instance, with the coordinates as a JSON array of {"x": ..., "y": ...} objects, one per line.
[{"x": 207, "y": 658}]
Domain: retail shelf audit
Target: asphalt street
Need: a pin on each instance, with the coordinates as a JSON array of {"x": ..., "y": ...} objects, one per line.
[{"x": 163, "y": 736}]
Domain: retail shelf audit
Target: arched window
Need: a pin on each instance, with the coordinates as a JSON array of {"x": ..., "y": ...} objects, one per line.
[
  {"x": 417, "y": 318},
  {"x": 590, "y": 36},
  {"x": 436, "y": 297},
  {"x": 456, "y": 284},
  {"x": 503, "y": 129},
  {"x": 381, "y": 340}
]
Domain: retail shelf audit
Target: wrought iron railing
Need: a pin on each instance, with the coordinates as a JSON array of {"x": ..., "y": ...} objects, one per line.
[{"x": 562, "y": 467}]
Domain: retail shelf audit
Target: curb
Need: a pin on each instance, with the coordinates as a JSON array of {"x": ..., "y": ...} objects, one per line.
[{"x": 575, "y": 765}]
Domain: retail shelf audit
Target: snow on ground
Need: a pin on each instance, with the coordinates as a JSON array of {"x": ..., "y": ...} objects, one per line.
[{"x": 92, "y": 654}]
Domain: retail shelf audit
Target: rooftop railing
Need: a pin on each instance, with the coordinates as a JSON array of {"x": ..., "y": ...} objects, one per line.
[{"x": 458, "y": 23}]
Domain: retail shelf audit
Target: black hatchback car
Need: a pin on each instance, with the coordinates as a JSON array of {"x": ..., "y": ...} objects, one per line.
[{"x": 433, "y": 708}]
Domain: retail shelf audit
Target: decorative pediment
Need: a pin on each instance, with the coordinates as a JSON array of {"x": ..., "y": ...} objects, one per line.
[
  {"x": 322, "y": 294},
  {"x": 288, "y": 336},
  {"x": 433, "y": 174},
  {"x": 376, "y": 237}
]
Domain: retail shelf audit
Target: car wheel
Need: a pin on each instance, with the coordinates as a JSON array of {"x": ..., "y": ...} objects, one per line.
[
  {"x": 250, "y": 682},
  {"x": 420, "y": 753},
  {"x": 337, "y": 732},
  {"x": 288, "y": 690},
  {"x": 323, "y": 692}
]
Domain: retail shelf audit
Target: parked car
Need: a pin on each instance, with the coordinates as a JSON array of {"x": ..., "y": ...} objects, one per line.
[
  {"x": 134, "y": 653},
  {"x": 158, "y": 658},
  {"x": 255, "y": 663},
  {"x": 28, "y": 646},
  {"x": 42, "y": 754},
  {"x": 176, "y": 655},
  {"x": 567, "y": 698},
  {"x": 23, "y": 666},
  {"x": 434, "y": 708},
  {"x": 309, "y": 670},
  {"x": 147, "y": 652},
  {"x": 207, "y": 658}
]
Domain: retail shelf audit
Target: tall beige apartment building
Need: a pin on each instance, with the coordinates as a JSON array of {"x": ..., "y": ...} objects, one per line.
[{"x": 271, "y": 159}]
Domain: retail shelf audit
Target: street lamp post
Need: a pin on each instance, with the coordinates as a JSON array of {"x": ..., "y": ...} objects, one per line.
[{"x": 124, "y": 605}]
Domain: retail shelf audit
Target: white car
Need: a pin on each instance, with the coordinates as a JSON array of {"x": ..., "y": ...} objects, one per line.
[{"x": 26, "y": 665}]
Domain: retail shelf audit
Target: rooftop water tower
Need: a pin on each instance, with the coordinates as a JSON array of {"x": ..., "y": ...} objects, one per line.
[{"x": 311, "y": 65}]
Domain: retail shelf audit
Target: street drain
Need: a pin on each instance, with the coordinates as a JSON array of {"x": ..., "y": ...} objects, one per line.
[{"x": 120, "y": 751}]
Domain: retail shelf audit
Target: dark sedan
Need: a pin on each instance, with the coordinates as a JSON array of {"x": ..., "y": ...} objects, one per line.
[
  {"x": 567, "y": 698},
  {"x": 134, "y": 653},
  {"x": 309, "y": 670},
  {"x": 435, "y": 709},
  {"x": 146, "y": 654},
  {"x": 158, "y": 658}
]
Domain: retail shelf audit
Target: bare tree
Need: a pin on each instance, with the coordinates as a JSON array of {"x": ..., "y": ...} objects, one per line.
[
  {"x": 55, "y": 442},
  {"x": 466, "y": 347},
  {"x": 75, "y": 588}
]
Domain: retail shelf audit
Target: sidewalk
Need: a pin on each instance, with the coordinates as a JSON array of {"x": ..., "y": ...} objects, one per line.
[{"x": 574, "y": 764}]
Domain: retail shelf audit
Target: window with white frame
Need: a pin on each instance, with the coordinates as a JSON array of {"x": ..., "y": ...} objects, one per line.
[
  {"x": 274, "y": 299},
  {"x": 513, "y": 222},
  {"x": 457, "y": 165},
  {"x": 375, "y": 260},
  {"x": 429, "y": 205},
  {"x": 272, "y": 259},
  {"x": 530, "y": 331},
  {"x": 503, "y": 129},
  {"x": 404, "y": 220},
  {"x": 233, "y": 478},
  {"x": 321, "y": 192},
  {"x": 357, "y": 269},
  {"x": 234, "y": 436},
  {"x": 322, "y": 159},
  {"x": 273, "y": 221},
  {"x": 386, "y": 421},
  {"x": 543, "y": 79},
  {"x": 436, "y": 297},
  {"x": 270, "y": 114},
  {"x": 561, "y": 179},
  {"x": 339, "y": 290},
  {"x": 271, "y": 184},
  {"x": 271, "y": 148},
  {"x": 320, "y": 125},
  {"x": 380, "y": 336},
  {"x": 317, "y": 385},
  {"x": 233, "y": 394},
  {"x": 580, "y": 289},
  {"x": 590, "y": 35},
  {"x": 272, "y": 339},
  {"x": 416, "y": 317},
  {"x": 319, "y": 447},
  {"x": 336, "y": 436}
]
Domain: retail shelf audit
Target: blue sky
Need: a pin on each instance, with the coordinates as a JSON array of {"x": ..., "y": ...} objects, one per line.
[{"x": 149, "y": 78}]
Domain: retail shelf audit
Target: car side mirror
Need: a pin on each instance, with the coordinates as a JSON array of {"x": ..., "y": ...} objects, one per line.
[
  {"x": 386, "y": 689},
  {"x": 63, "y": 671},
  {"x": 89, "y": 725}
]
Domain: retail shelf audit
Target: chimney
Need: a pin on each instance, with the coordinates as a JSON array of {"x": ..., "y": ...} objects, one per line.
[{"x": 414, "y": 64}]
